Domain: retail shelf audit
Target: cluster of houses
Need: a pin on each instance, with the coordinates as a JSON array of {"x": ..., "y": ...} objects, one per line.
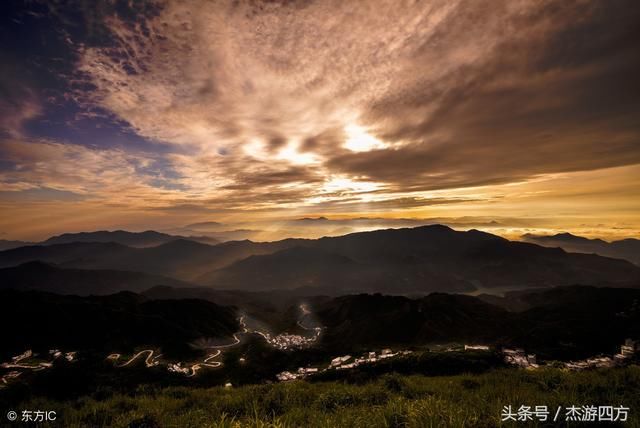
[
  {"x": 458, "y": 348},
  {"x": 290, "y": 341},
  {"x": 302, "y": 372},
  {"x": 627, "y": 351},
  {"x": 178, "y": 368},
  {"x": 26, "y": 354},
  {"x": 341, "y": 363},
  {"x": 519, "y": 358},
  {"x": 590, "y": 363},
  {"x": 286, "y": 341},
  {"x": 371, "y": 357},
  {"x": 476, "y": 348}
]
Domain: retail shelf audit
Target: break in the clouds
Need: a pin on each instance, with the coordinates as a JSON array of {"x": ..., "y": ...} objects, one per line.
[{"x": 276, "y": 109}]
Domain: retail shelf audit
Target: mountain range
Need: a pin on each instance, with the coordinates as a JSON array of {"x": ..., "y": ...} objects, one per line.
[
  {"x": 395, "y": 261},
  {"x": 37, "y": 275},
  {"x": 149, "y": 238},
  {"x": 181, "y": 259},
  {"x": 418, "y": 260},
  {"x": 627, "y": 249}
]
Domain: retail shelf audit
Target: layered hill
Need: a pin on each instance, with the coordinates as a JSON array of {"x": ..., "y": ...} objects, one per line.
[
  {"x": 394, "y": 261},
  {"x": 149, "y": 238},
  {"x": 7, "y": 245},
  {"x": 627, "y": 249},
  {"x": 181, "y": 259},
  {"x": 423, "y": 259},
  {"x": 41, "y": 276}
]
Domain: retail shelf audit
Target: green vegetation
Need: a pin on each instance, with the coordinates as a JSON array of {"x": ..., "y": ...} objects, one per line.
[{"x": 392, "y": 400}]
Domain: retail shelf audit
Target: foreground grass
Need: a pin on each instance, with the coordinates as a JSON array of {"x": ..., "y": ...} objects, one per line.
[{"x": 390, "y": 401}]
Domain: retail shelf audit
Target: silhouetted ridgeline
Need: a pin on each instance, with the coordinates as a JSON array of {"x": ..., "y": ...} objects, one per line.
[
  {"x": 627, "y": 249},
  {"x": 560, "y": 323},
  {"x": 394, "y": 261},
  {"x": 149, "y": 238},
  {"x": 42, "y": 276}
]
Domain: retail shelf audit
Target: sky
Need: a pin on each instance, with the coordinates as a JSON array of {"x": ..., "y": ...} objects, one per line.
[{"x": 319, "y": 117}]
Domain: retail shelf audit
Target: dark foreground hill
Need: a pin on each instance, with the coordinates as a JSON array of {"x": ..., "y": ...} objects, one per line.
[
  {"x": 115, "y": 323},
  {"x": 384, "y": 320},
  {"x": 560, "y": 323},
  {"x": 453, "y": 401},
  {"x": 557, "y": 323},
  {"x": 627, "y": 249},
  {"x": 577, "y": 320},
  {"x": 563, "y": 323},
  {"x": 46, "y": 277}
]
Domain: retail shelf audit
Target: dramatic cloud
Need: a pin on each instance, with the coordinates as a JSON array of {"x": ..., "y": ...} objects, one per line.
[{"x": 249, "y": 110}]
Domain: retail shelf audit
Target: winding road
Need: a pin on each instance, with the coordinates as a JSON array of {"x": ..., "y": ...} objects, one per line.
[
  {"x": 305, "y": 311},
  {"x": 149, "y": 361},
  {"x": 236, "y": 339},
  {"x": 152, "y": 361}
]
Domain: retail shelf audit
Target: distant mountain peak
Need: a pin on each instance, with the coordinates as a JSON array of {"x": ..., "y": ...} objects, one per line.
[
  {"x": 312, "y": 219},
  {"x": 566, "y": 235},
  {"x": 183, "y": 243},
  {"x": 627, "y": 249},
  {"x": 148, "y": 238}
]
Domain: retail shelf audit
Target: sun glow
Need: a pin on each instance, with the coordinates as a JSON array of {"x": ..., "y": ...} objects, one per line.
[
  {"x": 358, "y": 140},
  {"x": 292, "y": 154},
  {"x": 344, "y": 184}
]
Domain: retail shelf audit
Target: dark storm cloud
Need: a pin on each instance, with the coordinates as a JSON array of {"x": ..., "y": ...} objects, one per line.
[
  {"x": 267, "y": 177},
  {"x": 569, "y": 101}
]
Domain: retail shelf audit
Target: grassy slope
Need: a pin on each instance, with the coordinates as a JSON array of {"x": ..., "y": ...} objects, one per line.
[{"x": 392, "y": 400}]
